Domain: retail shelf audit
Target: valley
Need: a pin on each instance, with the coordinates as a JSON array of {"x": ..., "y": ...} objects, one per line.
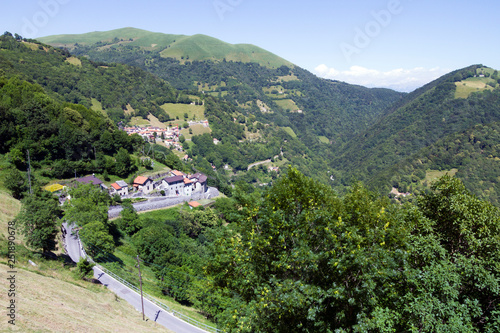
[{"x": 270, "y": 199}]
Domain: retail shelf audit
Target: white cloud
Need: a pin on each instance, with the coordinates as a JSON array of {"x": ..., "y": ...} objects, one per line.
[{"x": 398, "y": 79}]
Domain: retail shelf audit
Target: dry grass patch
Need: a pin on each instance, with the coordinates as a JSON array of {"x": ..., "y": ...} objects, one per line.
[
  {"x": 47, "y": 304},
  {"x": 9, "y": 208},
  {"x": 129, "y": 110},
  {"x": 155, "y": 122}
]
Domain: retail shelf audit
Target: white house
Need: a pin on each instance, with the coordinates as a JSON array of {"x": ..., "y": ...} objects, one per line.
[
  {"x": 144, "y": 184},
  {"x": 173, "y": 185},
  {"x": 120, "y": 188},
  {"x": 199, "y": 182}
]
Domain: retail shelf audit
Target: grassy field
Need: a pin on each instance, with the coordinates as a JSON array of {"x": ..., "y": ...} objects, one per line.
[
  {"x": 324, "y": 139},
  {"x": 178, "y": 110},
  {"x": 197, "y": 129},
  {"x": 471, "y": 85},
  {"x": 74, "y": 61},
  {"x": 155, "y": 122},
  {"x": 97, "y": 106},
  {"x": 287, "y": 104},
  {"x": 432, "y": 175},
  {"x": 290, "y": 131},
  {"x": 139, "y": 121},
  {"x": 9, "y": 208},
  {"x": 475, "y": 84},
  {"x": 50, "y": 300}
]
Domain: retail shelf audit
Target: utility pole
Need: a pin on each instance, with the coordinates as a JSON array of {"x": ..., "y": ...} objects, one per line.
[
  {"x": 29, "y": 171},
  {"x": 140, "y": 284}
]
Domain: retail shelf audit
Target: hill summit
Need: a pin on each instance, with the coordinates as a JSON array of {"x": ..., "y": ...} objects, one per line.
[{"x": 182, "y": 47}]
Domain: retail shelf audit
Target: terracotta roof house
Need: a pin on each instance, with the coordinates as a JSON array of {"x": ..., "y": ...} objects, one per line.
[
  {"x": 144, "y": 184},
  {"x": 120, "y": 187},
  {"x": 177, "y": 173}
]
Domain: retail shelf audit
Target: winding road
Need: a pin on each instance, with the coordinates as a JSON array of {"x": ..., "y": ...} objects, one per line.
[{"x": 151, "y": 310}]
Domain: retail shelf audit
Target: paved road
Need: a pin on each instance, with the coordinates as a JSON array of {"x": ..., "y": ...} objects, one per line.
[
  {"x": 258, "y": 163},
  {"x": 163, "y": 202},
  {"x": 152, "y": 311}
]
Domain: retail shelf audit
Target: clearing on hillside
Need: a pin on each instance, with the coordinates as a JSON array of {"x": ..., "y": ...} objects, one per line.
[
  {"x": 290, "y": 131},
  {"x": 74, "y": 61},
  {"x": 471, "y": 85},
  {"x": 287, "y": 104},
  {"x": 324, "y": 139},
  {"x": 9, "y": 208},
  {"x": 432, "y": 175},
  {"x": 197, "y": 129},
  {"x": 139, "y": 121},
  {"x": 196, "y": 112},
  {"x": 155, "y": 122}
]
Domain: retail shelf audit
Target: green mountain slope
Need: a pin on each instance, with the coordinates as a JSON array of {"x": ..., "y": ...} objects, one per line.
[
  {"x": 473, "y": 153},
  {"x": 317, "y": 110},
  {"x": 181, "y": 47},
  {"x": 419, "y": 120}
]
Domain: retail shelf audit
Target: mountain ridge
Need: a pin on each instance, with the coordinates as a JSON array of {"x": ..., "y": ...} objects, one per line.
[{"x": 182, "y": 47}]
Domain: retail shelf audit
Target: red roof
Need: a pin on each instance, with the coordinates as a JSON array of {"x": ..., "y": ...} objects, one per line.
[
  {"x": 194, "y": 204},
  {"x": 177, "y": 173},
  {"x": 140, "y": 180},
  {"x": 116, "y": 186}
]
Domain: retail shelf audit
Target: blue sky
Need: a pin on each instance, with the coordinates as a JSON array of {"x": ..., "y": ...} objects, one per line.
[{"x": 401, "y": 44}]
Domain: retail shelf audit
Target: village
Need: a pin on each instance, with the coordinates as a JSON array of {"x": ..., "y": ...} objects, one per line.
[{"x": 169, "y": 135}]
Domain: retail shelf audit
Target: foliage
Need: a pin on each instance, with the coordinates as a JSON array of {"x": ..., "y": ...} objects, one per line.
[
  {"x": 95, "y": 235},
  {"x": 88, "y": 204},
  {"x": 85, "y": 268},
  {"x": 303, "y": 259},
  {"x": 427, "y": 115},
  {"x": 38, "y": 220},
  {"x": 15, "y": 182},
  {"x": 129, "y": 219}
]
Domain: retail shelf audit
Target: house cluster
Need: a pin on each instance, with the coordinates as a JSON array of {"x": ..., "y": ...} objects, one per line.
[
  {"x": 176, "y": 183},
  {"x": 181, "y": 184},
  {"x": 169, "y": 135}
]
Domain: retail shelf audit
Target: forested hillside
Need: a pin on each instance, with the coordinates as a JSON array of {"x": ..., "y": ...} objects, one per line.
[
  {"x": 473, "y": 154},
  {"x": 429, "y": 114},
  {"x": 122, "y": 92},
  {"x": 330, "y": 111}
]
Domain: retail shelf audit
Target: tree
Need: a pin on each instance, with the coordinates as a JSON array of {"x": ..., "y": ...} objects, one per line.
[
  {"x": 95, "y": 235},
  {"x": 15, "y": 182},
  {"x": 129, "y": 221},
  {"x": 302, "y": 259},
  {"x": 85, "y": 268},
  {"x": 452, "y": 280},
  {"x": 88, "y": 203},
  {"x": 38, "y": 220},
  {"x": 123, "y": 165}
]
